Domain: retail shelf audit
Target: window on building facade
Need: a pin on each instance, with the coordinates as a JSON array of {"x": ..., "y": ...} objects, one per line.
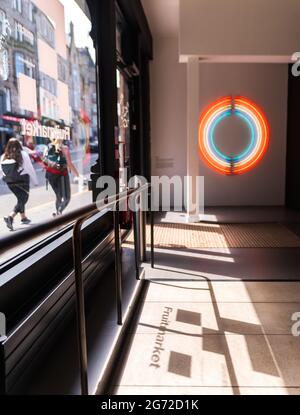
[
  {"x": 49, "y": 91},
  {"x": 48, "y": 83},
  {"x": 45, "y": 28},
  {"x": 4, "y": 64},
  {"x": 30, "y": 11},
  {"x": 30, "y": 68},
  {"x": 19, "y": 62},
  {"x": 7, "y": 99},
  {"x": 24, "y": 65},
  {"x": 2, "y": 20},
  {"x": 18, "y": 32},
  {"x": 62, "y": 69},
  {"x": 17, "y": 5},
  {"x": 22, "y": 34}
]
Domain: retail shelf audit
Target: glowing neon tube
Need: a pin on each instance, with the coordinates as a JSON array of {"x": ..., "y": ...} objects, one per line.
[{"x": 258, "y": 129}]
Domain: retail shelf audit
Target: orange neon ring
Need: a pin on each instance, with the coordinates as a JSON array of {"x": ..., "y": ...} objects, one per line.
[{"x": 255, "y": 118}]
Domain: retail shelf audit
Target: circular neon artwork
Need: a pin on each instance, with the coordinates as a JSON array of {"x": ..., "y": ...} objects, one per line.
[{"x": 257, "y": 126}]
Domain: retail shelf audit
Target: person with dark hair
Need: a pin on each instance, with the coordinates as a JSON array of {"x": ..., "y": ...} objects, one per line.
[
  {"x": 58, "y": 163},
  {"x": 17, "y": 171}
]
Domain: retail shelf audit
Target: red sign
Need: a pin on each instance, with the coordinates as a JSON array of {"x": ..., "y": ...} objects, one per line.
[{"x": 9, "y": 118}]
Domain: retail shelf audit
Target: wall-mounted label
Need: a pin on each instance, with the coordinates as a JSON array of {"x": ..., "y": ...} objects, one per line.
[{"x": 36, "y": 129}]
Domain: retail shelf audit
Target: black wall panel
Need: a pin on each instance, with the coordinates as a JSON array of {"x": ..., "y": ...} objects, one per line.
[{"x": 293, "y": 143}]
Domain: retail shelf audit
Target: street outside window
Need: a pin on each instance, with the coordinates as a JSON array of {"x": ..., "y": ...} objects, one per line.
[{"x": 48, "y": 104}]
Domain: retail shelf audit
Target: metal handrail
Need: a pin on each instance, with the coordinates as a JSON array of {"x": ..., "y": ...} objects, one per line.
[
  {"x": 12, "y": 241},
  {"x": 78, "y": 218},
  {"x": 80, "y": 308},
  {"x": 2, "y": 365},
  {"x": 152, "y": 237}
]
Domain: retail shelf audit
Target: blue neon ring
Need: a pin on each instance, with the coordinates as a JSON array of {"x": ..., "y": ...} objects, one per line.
[{"x": 243, "y": 155}]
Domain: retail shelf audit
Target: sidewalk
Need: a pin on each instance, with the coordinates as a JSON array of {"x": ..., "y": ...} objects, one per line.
[
  {"x": 39, "y": 208},
  {"x": 41, "y": 205}
]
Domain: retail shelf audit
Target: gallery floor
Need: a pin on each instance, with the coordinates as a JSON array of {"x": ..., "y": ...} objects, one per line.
[{"x": 214, "y": 320}]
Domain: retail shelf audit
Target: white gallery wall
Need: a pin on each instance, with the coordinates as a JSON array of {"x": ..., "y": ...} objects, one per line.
[
  {"x": 168, "y": 109},
  {"x": 265, "y": 84},
  {"x": 225, "y": 48},
  {"x": 257, "y": 30}
]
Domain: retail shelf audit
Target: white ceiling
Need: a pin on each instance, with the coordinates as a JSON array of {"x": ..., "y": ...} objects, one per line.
[{"x": 163, "y": 16}]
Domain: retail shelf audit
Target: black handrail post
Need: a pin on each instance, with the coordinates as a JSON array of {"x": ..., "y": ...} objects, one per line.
[
  {"x": 145, "y": 213},
  {"x": 118, "y": 272},
  {"x": 136, "y": 242},
  {"x": 79, "y": 216},
  {"x": 80, "y": 307},
  {"x": 152, "y": 229},
  {"x": 2, "y": 367},
  {"x": 142, "y": 232}
]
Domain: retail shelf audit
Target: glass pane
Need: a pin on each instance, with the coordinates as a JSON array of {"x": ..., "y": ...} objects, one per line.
[
  {"x": 48, "y": 104},
  {"x": 124, "y": 129}
]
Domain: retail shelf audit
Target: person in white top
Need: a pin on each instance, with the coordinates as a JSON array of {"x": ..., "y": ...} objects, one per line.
[{"x": 17, "y": 172}]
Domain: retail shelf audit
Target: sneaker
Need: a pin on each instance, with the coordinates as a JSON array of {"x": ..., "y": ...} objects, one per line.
[
  {"x": 56, "y": 214},
  {"x": 26, "y": 221},
  {"x": 9, "y": 222}
]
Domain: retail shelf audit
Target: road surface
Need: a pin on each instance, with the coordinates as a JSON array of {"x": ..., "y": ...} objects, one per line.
[
  {"x": 41, "y": 204},
  {"x": 83, "y": 166}
]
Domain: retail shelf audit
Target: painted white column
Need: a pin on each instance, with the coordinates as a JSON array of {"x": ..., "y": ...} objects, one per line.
[{"x": 193, "y": 194}]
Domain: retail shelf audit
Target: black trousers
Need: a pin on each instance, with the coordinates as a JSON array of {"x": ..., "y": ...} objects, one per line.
[
  {"x": 21, "y": 191},
  {"x": 62, "y": 189}
]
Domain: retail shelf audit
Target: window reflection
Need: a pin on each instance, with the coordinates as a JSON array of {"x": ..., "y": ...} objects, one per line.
[
  {"x": 124, "y": 129},
  {"x": 47, "y": 91}
]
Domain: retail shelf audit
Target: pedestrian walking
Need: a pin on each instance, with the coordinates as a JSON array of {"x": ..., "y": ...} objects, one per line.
[
  {"x": 17, "y": 172},
  {"x": 58, "y": 163}
]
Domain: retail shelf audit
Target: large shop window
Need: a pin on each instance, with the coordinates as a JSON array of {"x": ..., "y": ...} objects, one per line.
[{"x": 48, "y": 105}]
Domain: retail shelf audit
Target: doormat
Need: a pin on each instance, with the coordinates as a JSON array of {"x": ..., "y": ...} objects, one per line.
[{"x": 196, "y": 236}]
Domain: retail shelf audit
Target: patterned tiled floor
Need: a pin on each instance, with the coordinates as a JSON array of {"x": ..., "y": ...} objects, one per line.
[
  {"x": 178, "y": 235},
  {"x": 217, "y": 319},
  {"x": 202, "y": 337}
]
